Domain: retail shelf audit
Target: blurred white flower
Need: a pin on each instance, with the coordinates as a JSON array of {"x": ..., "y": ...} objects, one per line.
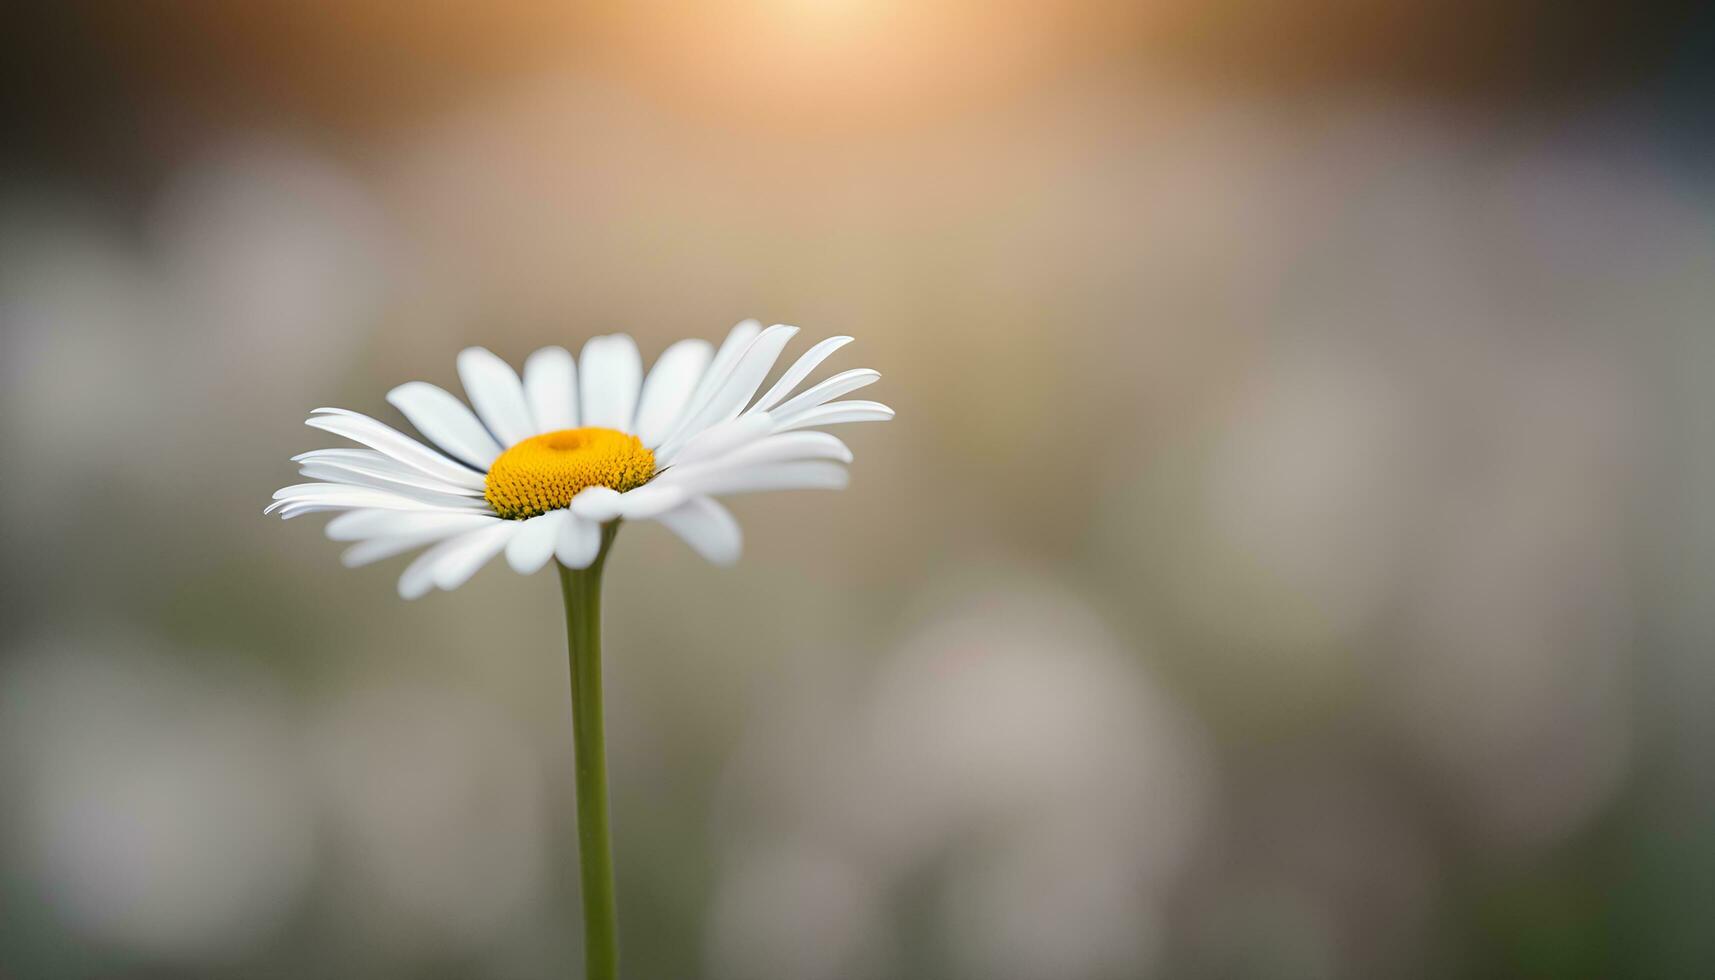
[
  {"x": 1010, "y": 749},
  {"x": 275, "y": 256},
  {"x": 163, "y": 812},
  {"x": 1515, "y": 684},
  {"x": 1309, "y": 493},
  {"x": 438, "y": 807},
  {"x": 801, "y": 910},
  {"x": 1317, "y": 868}
]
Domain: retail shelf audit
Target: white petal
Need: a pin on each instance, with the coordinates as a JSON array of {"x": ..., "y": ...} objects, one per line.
[
  {"x": 419, "y": 576},
  {"x": 799, "y": 370},
  {"x": 835, "y": 413},
  {"x": 748, "y": 374},
  {"x": 719, "y": 439},
  {"x": 494, "y": 389},
  {"x": 707, "y": 527},
  {"x": 358, "y": 476},
  {"x": 380, "y": 549},
  {"x": 783, "y": 447},
  {"x": 473, "y": 550},
  {"x": 348, "y": 455},
  {"x": 598, "y": 504},
  {"x": 579, "y": 542},
  {"x": 307, "y": 498},
  {"x": 669, "y": 387},
  {"x": 534, "y": 543},
  {"x": 827, "y": 391},
  {"x": 786, "y": 447},
  {"x": 551, "y": 389},
  {"x": 610, "y": 372},
  {"x": 376, "y": 549},
  {"x": 374, "y": 464},
  {"x": 424, "y": 571},
  {"x": 445, "y": 421},
  {"x": 305, "y": 491},
  {"x": 289, "y": 511},
  {"x": 393, "y": 443},
  {"x": 813, "y": 475},
  {"x": 738, "y": 388},
  {"x": 357, "y": 525},
  {"x": 648, "y": 501},
  {"x": 737, "y": 341}
]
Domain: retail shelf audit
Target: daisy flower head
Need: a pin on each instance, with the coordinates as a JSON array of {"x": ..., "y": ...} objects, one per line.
[{"x": 548, "y": 462}]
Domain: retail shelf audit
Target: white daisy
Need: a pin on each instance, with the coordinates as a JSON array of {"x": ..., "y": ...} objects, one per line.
[{"x": 547, "y": 460}]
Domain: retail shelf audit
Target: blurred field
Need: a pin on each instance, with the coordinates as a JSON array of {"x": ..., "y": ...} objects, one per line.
[{"x": 1291, "y": 558}]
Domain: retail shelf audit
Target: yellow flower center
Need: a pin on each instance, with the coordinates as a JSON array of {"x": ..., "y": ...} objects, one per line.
[{"x": 545, "y": 472}]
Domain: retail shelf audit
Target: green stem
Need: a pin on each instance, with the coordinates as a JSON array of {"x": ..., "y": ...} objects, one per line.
[{"x": 582, "y": 590}]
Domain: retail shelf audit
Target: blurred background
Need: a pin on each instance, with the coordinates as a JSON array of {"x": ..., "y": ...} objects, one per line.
[{"x": 1292, "y": 557}]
